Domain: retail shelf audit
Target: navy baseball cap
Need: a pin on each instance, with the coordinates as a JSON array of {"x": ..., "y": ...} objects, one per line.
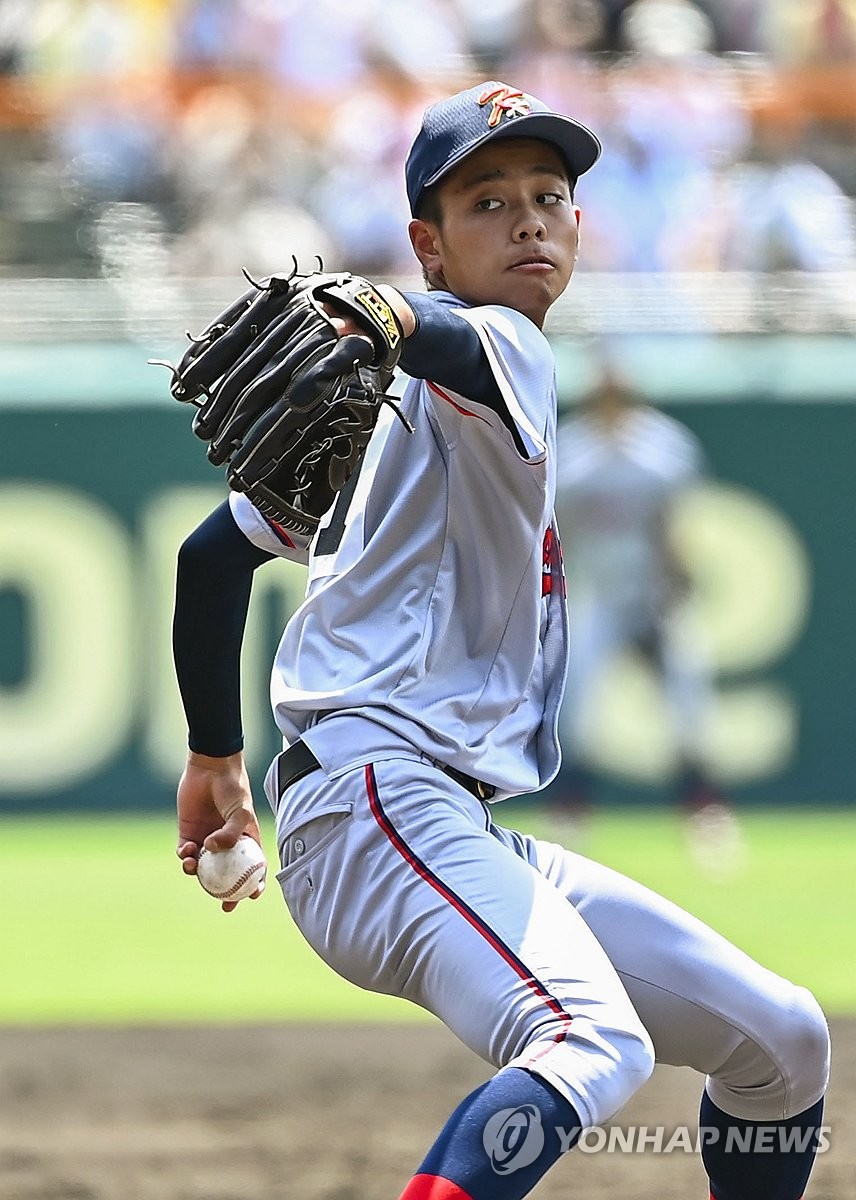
[{"x": 453, "y": 128}]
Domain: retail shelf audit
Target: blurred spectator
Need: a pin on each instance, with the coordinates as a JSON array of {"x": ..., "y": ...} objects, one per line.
[
  {"x": 208, "y": 33},
  {"x": 776, "y": 210},
  {"x": 241, "y": 177},
  {"x": 492, "y": 31},
  {"x": 741, "y": 25},
  {"x": 74, "y": 38},
  {"x": 622, "y": 468},
  {"x": 667, "y": 17},
  {"x": 408, "y": 35},
  {"x": 670, "y": 122},
  {"x": 218, "y": 153},
  {"x": 666, "y": 28},
  {"x": 820, "y": 31},
  {"x": 790, "y": 215},
  {"x": 360, "y": 198},
  {"x": 110, "y": 136},
  {"x": 318, "y": 46},
  {"x": 14, "y": 27},
  {"x": 552, "y": 58}
]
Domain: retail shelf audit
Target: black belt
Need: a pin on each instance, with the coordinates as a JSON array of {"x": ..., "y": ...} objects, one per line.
[
  {"x": 298, "y": 760},
  {"x": 476, "y": 787}
]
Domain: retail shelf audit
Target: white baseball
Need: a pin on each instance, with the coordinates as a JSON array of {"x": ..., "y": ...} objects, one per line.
[{"x": 232, "y": 874}]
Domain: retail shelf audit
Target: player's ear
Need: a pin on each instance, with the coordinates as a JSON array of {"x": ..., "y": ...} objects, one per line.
[{"x": 423, "y": 238}]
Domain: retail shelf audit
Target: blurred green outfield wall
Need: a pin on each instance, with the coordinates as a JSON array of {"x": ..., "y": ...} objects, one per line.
[{"x": 99, "y": 483}]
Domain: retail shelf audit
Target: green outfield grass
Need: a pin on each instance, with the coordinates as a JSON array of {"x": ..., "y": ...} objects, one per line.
[{"x": 100, "y": 925}]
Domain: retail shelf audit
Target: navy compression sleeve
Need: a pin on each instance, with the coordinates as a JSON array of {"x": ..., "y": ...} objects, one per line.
[
  {"x": 215, "y": 574},
  {"x": 446, "y": 349}
]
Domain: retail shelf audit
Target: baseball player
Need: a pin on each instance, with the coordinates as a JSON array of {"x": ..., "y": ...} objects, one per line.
[
  {"x": 420, "y": 683},
  {"x": 622, "y": 468}
]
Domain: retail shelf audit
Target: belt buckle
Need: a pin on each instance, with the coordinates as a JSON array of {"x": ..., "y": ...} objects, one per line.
[{"x": 485, "y": 790}]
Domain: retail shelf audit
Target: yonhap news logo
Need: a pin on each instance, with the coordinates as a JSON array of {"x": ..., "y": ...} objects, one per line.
[{"x": 513, "y": 1138}]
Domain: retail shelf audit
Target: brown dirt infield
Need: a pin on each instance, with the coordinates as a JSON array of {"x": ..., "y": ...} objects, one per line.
[{"x": 305, "y": 1113}]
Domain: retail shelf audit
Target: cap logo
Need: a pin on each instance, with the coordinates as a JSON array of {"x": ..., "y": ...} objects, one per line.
[{"x": 504, "y": 101}]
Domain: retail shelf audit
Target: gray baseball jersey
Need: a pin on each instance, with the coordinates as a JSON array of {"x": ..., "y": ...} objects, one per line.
[{"x": 406, "y": 621}]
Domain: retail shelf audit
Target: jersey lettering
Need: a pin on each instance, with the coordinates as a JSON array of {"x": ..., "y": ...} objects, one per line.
[{"x": 552, "y": 563}]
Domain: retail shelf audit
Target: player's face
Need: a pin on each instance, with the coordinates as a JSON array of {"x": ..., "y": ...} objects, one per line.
[{"x": 509, "y": 231}]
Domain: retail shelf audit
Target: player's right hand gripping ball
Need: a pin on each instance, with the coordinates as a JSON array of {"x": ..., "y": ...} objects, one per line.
[
  {"x": 232, "y": 874},
  {"x": 282, "y": 400}
]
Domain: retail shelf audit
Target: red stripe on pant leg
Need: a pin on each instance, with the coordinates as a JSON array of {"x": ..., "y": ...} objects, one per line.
[
  {"x": 457, "y": 903},
  {"x": 433, "y": 1187}
]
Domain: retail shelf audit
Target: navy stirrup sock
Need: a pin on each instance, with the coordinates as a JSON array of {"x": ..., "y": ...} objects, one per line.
[
  {"x": 498, "y": 1142},
  {"x": 758, "y": 1160}
]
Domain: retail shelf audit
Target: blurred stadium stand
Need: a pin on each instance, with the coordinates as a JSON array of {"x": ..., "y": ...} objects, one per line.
[{"x": 189, "y": 138}]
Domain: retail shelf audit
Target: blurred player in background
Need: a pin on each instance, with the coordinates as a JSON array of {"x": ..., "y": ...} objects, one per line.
[{"x": 622, "y": 467}]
